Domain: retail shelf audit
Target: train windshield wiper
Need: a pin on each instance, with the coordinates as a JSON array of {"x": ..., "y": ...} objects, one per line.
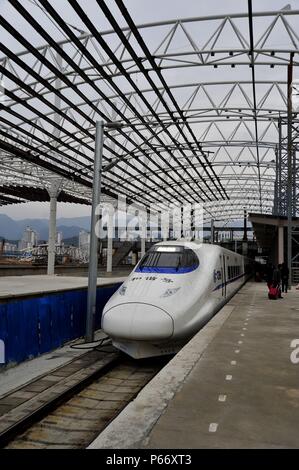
[{"x": 178, "y": 264}]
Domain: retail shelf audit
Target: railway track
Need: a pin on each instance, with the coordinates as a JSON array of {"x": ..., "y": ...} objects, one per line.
[{"x": 69, "y": 407}]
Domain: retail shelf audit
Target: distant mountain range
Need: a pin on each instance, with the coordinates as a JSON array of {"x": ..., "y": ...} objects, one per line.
[{"x": 11, "y": 229}]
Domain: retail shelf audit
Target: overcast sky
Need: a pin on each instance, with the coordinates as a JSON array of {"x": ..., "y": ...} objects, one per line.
[{"x": 142, "y": 11}]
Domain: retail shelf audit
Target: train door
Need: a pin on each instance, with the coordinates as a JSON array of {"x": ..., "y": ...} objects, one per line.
[{"x": 223, "y": 276}]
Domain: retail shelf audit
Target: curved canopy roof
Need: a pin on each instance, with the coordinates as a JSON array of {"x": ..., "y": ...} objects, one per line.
[{"x": 199, "y": 98}]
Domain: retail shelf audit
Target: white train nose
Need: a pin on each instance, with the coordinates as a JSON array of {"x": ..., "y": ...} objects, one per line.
[{"x": 137, "y": 321}]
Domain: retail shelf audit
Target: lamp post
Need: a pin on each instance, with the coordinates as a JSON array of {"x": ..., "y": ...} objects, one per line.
[{"x": 93, "y": 244}]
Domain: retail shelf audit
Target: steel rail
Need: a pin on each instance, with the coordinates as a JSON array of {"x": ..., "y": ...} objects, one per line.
[{"x": 57, "y": 399}]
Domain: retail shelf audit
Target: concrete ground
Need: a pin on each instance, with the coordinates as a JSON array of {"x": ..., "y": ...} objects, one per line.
[
  {"x": 18, "y": 286},
  {"x": 233, "y": 386}
]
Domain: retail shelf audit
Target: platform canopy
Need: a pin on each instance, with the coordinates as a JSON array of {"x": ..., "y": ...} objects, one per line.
[{"x": 199, "y": 98}]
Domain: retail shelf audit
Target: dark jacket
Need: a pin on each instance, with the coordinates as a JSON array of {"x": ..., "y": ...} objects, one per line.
[
  {"x": 269, "y": 273},
  {"x": 284, "y": 272},
  {"x": 276, "y": 276}
]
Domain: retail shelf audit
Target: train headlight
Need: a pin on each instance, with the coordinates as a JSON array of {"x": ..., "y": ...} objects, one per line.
[
  {"x": 122, "y": 290},
  {"x": 170, "y": 292}
]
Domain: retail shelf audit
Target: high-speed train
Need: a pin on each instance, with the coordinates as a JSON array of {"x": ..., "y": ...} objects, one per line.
[{"x": 173, "y": 291}]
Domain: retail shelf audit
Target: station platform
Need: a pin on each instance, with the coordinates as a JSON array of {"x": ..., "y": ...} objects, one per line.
[
  {"x": 21, "y": 286},
  {"x": 232, "y": 386},
  {"x": 39, "y": 314}
]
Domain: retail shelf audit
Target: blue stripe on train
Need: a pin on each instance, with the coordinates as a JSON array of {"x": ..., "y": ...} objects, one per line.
[
  {"x": 228, "y": 282},
  {"x": 167, "y": 270}
]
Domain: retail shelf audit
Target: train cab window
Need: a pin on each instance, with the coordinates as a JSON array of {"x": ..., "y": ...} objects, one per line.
[{"x": 172, "y": 259}]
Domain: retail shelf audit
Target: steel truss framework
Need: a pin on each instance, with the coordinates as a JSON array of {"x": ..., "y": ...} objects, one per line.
[
  {"x": 211, "y": 139},
  {"x": 281, "y": 183}
]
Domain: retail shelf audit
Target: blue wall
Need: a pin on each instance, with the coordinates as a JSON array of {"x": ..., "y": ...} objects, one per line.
[{"x": 35, "y": 325}]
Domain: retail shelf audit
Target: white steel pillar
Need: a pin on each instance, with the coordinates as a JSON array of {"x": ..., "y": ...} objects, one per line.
[
  {"x": 280, "y": 245},
  {"x": 110, "y": 241},
  {"x": 53, "y": 193},
  {"x": 212, "y": 231},
  {"x": 290, "y": 172},
  {"x": 143, "y": 232},
  {"x": 165, "y": 225},
  {"x": 93, "y": 244},
  {"x": 54, "y": 190}
]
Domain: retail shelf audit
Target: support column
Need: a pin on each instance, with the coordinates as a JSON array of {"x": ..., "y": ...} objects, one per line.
[
  {"x": 290, "y": 168},
  {"x": 143, "y": 233},
  {"x": 54, "y": 190},
  {"x": 171, "y": 225},
  {"x": 182, "y": 223},
  {"x": 93, "y": 245},
  {"x": 165, "y": 225},
  {"x": 245, "y": 226},
  {"x": 279, "y": 203},
  {"x": 280, "y": 245},
  {"x": 192, "y": 224},
  {"x": 275, "y": 205},
  {"x": 159, "y": 227},
  {"x": 212, "y": 231},
  {"x": 110, "y": 241},
  {"x": 53, "y": 193},
  {"x": 294, "y": 189}
]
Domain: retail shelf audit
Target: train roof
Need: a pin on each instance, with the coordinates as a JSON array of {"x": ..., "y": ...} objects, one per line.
[{"x": 196, "y": 245}]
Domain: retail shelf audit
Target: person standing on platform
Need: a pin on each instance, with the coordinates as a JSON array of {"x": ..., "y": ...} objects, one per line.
[
  {"x": 269, "y": 274},
  {"x": 277, "y": 279},
  {"x": 284, "y": 277}
]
